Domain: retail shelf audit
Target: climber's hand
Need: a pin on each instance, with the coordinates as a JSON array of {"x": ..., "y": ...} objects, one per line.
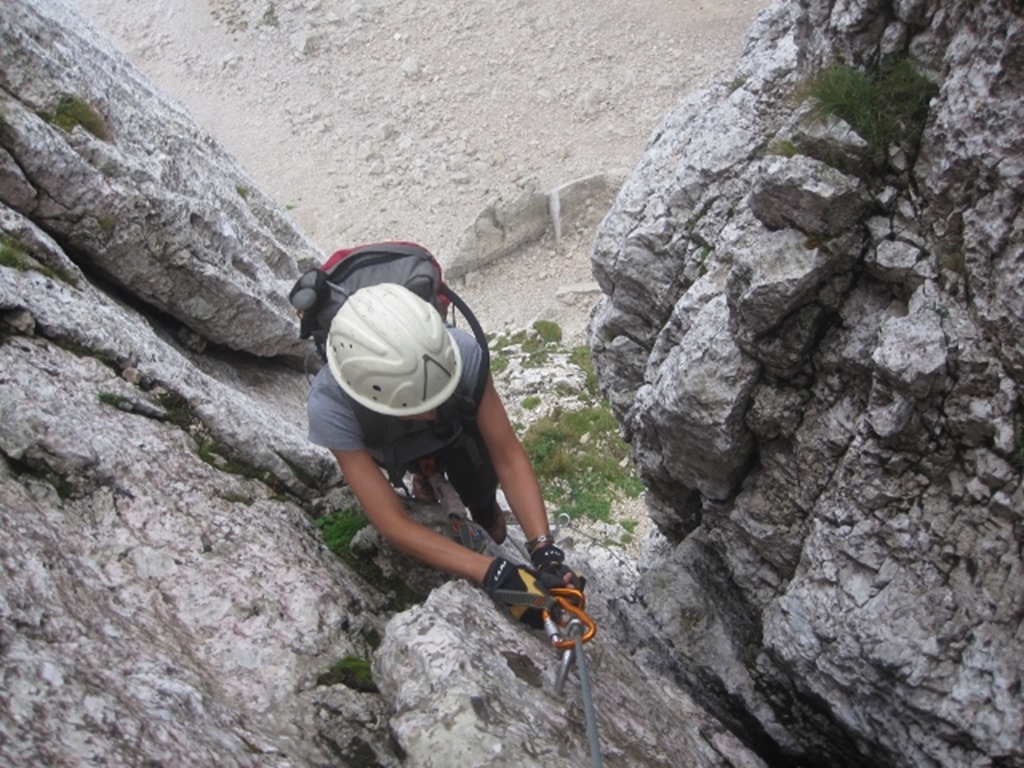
[
  {"x": 549, "y": 561},
  {"x": 518, "y": 588}
]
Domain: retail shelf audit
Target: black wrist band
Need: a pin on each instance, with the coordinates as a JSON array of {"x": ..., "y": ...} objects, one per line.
[{"x": 544, "y": 538}]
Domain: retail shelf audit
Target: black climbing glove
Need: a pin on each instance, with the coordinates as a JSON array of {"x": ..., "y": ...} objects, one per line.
[
  {"x": 518, "y": 588},
  {"x": 549, "y": 561}
]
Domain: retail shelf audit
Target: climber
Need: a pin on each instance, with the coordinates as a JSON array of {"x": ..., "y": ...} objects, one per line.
[{"x": 398, "y": 388}]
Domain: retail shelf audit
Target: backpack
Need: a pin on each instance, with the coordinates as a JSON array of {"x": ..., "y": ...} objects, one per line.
[{"x": 320, "y": 292}]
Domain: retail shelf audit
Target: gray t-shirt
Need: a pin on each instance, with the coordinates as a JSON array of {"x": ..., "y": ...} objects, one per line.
[{"x": 332, "y": 418}]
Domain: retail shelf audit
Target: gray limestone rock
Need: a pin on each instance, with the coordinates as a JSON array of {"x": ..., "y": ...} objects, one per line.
[
  {"x": 135, "y": 192},
  {"x": 855, "y": 488},
  {"x": 806, "y": 194},
  {"x": 823, "y": 400}
]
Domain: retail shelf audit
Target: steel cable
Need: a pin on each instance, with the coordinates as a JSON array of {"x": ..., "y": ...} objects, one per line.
[{"x": 576, "y": 631}]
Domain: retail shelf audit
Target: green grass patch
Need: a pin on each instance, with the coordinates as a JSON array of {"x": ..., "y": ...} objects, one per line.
[
  {"x": 886, "y": 106},
  {"x": 338, "y": 529},
  {"x": 588, "y": 496},
  {"x": 72, "y": 111},
  {"x": 580, "y": 459},
  {"x": 177, "y": 410},
  {"x": 238, "y": 498},
  {"x": 220, "y": 458},
  {"x": 548, "y": 331},
  {"x": 14, "y": 255},
  {"x": 564, "y": 389},
  {"x": 499, "y": 362},
  {"x": 532, "y": 348},
  {"x": 581, "y": 358},
  {"x": 351, "y": 671},
  {"x": 784, "y": 148},
  {"x": 581, "y": 462},
  {"x": 109, "y": 398},
  {"x": 80, "y": 350},
  {"x": 505, "y": 341}
]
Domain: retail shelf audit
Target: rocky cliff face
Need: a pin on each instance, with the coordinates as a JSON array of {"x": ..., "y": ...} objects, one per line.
[
  {"x": 815, "y": 358},
  {"x": 165, "y": 597},
  {"x": 813, "y": 344}
]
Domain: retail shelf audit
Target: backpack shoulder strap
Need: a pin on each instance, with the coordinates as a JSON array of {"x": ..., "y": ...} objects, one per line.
[{"x": 481, "y": 340}]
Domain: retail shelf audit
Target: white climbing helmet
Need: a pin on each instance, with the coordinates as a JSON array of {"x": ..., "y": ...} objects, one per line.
[{"x": 391, "y": 352}]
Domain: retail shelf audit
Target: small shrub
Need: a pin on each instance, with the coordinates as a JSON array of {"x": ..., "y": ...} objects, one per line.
[
  {"x": 537, "y": 358},
  {"x": 531, "y": 402},
  {"x": 372, "y": 638},
  {"x": 532, "y": 345},
  {"x": 886, "y": 106},
  {"x": 519, "y": 337}
]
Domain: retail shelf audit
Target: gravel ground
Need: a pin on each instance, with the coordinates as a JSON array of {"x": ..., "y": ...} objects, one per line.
[{"x": 401, "y": 119}]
